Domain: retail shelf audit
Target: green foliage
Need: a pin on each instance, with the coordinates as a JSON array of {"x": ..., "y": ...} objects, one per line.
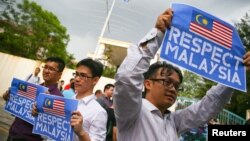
[
  {"x": 109, "y": 72},
  {"x": 240, "y": 101},
  {"x": 193, "y": 86},
  {"x": 31, "y": 32},
  {"x": 244, "y": 30}
]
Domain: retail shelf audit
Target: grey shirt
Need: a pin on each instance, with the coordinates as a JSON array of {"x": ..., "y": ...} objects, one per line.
[{"x": 137, "y": 118}]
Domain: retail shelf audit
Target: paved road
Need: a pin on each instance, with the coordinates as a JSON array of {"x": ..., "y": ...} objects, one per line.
[{"x": 5, "y": 121}]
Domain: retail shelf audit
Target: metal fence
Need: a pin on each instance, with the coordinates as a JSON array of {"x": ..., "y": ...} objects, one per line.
[{"x": 225, "y": 117}]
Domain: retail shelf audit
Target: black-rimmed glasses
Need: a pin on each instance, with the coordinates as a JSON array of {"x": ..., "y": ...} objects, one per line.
[
  {"x": 168, "y": 83},
  {"x": 49, "y": 68},
  {"x": 82, "y": 76}
]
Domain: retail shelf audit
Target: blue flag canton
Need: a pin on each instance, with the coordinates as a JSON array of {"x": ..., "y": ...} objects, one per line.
[
  {"x": 48, "y": 103},
  {"x": 26, "y": 90},
  {"x": 202, "y": 20},
  {"x": 54, "y": 107},
  {"x": 22, "y": 87},
  {"x": 211, "y": 29}
]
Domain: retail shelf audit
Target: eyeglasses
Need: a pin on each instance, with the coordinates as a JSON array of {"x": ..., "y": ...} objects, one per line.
[
  {"x": 168, "y": 83},
  {"x": 82, "y": 76},
  {"x": 49, "y": 68}
]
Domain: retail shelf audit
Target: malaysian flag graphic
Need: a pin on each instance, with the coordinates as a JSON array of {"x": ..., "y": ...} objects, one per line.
[
  {"x": 54, "y": 107},
  {"x": 27, "y": 91},
  {"x": 211, "y": 29}
]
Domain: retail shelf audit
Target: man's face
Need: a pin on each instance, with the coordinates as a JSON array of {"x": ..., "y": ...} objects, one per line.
[
  {"x": 109, "y": 92},
  {"x": 51, "y": 74},
  {"x": 99, "y": 94},
  {"x": 163, "y": 89},
  {"x": 84, "y": 80}
]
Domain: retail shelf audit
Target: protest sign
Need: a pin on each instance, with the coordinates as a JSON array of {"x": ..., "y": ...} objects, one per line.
[
  {"x": 54, "y": 117},
  {"x": 22, "y": 96},
  {"x": 205, "y": 45}
]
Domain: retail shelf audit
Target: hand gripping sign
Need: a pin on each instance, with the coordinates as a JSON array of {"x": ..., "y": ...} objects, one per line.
[
  {"x": 54, "y": 117},
  {"x": 22, "y": 96},
  {"x": 205, "y": 45}
]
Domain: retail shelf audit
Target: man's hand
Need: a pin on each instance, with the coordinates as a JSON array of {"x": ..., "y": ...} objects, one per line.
[
  {"x": 6, "y": 95},
  {"x": 164, "y": 20},
  {"x": 246, "y": 60},
  {"x": 76, "y": 122},
  {"x": 34, "y": 111}
]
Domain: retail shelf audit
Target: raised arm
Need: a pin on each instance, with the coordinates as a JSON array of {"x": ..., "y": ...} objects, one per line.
[
  {"x": 210, "y": 105},
  {"x": 129, "y": 78}
]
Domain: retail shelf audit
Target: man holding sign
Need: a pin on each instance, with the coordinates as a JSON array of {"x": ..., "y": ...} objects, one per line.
[
  {"x": 205, "y": 45},
  {"x": 148, "y": 119},
  {"x": 90, "y": 119},
  {"x": 52, "y": 71}
]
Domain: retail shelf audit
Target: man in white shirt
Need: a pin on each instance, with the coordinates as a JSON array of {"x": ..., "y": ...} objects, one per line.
[
  {"x": 90, "y": 119},
  {"x": 34, "y": 78},
  {"x": 148, "y": 119}
]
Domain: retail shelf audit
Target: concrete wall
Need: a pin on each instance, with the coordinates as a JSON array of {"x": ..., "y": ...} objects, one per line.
[{"x": 19, "y": 67}]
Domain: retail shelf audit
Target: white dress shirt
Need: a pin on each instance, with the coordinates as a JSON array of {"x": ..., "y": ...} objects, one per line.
[
  {"x": 94, "y": 118},
  {"x": 138, "y": 119},
  {"x": 33, "y": 79}
]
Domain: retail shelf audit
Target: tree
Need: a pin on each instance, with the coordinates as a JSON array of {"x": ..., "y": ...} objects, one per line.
[
  {"x": 191, "y": 86},
  {"x": 4, "y": 4},
  {"x": 31, "y": 32},
  {"x": 240, "y": 101}
]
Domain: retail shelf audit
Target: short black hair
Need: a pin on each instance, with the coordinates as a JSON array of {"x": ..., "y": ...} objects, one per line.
[
  {"x": 59, "y": 61},
  {"x": 107, "y": 86},
  {"x": 98, "y": 91},
  {"x": 162, "y": 64},
  {"x": 72, "y": 85},
  {"x": 71, "y": 79},
  {"x": 96, "y": 67}
]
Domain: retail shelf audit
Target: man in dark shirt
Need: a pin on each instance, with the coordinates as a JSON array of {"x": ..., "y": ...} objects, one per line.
[
  {"x": 21, "y": 130},
  {"x": 106, "y": 102},
  {"x": 107, "y": 94}
]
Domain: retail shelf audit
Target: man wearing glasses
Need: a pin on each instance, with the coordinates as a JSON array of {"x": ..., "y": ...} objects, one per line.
[
  {"x": 21, "y": 130},
  {"x": 148, "y": 119},
  {"x": 90, "y": 119}
]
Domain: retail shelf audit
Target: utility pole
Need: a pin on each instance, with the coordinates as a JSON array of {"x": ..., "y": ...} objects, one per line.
[{"x": 104, "y": 28}]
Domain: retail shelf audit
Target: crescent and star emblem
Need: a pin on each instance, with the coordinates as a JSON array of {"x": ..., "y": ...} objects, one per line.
[
  {"x": 21, "y": 87},
  {"x": 201, "y": 20},
  {"x": 47, "y": 102}
]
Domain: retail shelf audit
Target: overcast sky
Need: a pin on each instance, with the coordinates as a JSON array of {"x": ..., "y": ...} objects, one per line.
[{"x": 129, "y": 22}]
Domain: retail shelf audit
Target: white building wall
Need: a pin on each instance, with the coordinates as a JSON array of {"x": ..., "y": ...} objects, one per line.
[{"x": 19, "y": 67}]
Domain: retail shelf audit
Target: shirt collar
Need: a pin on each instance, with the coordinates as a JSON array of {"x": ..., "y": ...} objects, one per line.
[
  {"x": 86, "y": 99},
  {"x": 152, "y": 107},
  {"x": 51, "y": 87},
  {"x": 149, "y": 105}
]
